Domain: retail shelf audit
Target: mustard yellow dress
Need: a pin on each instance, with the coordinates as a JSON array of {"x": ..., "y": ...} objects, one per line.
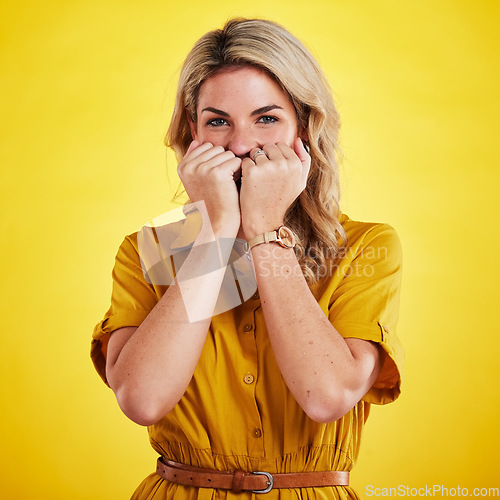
[{"x": 237, "y": 412}]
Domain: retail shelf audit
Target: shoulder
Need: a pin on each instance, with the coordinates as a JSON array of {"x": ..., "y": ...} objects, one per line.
[
  {"x": 128, "y": 251},
  {"x": 147, "y": 239},
  {"x": 129, "y": 242},
  {"x": 379, "y": 237},
  {"x": 357, "y": 230}
]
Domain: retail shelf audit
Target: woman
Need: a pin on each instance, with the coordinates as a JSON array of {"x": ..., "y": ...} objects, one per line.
[{"x": 270, "y": 395}]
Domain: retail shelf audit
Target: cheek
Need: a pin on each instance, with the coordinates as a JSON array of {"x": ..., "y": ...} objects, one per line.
[
  {"x": 286, "y": 135},
  {"x": 205, "y": 135}
]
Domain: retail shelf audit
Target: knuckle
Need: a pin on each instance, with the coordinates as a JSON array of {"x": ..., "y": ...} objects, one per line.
[
  {"x": 203, "y": 170},
  {"x": 187, "y": 169},
  {"x": 282, "y": 164},
  {"x": 218, "y": 149},
  {"x": 216, "y": 174},
  {"x": 183, "y": 169}
]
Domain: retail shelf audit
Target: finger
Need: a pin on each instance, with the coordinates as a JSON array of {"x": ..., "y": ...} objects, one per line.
[
  {"x": 206, "y": 151},
  {"x": 247, "y": 163},
  {"x": 194, "y": 150},
  {"x": 255, "y": 157},
  {"x": 194, "y": 144},
  {"x": 304, "y": 157},
  {"x": 209, "y": 160},
  {"x": 198, "y": 157},
  {"x": 237, "y": 173},
  {"x": 223, "y": 172},
  {"x": 300, "y": 150},
  {"x": 232, "y": 165},
  {"x": 286, "y": 151}
]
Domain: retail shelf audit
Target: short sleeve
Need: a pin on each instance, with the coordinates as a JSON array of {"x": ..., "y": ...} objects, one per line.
[
  {"x": 365, "y": 304},
  {"x": 132, "y": 299}
]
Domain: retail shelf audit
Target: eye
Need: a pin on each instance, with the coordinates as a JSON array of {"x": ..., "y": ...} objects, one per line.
[
  {"x": 217, "y": 122},
  {"x": 267, "y": 119}
]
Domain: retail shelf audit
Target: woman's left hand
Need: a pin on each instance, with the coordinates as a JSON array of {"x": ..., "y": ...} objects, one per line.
[{"x": 271, "y": 184}]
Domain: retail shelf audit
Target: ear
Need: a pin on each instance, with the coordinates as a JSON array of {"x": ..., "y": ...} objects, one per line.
[{"x": 192, "y": 125}]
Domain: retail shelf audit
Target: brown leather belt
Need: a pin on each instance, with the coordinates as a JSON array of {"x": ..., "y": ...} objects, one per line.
[{"x": 239, "y": 480}]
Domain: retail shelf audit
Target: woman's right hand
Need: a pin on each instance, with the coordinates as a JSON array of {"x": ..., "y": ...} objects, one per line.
[{"x": 207, "y": 173}]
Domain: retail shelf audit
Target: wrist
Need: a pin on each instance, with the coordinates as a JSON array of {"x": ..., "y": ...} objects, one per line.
[
  {"x": 283, "y": 236},
  {"x": 213, "y": 231},
  {"x": 255, "y": 228},
  {"x": 225, "y": 231},
  {"x": 226, "y": 227}
]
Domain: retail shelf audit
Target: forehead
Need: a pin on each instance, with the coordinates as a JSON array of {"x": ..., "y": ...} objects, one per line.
[{"x": 242, "y": 85}]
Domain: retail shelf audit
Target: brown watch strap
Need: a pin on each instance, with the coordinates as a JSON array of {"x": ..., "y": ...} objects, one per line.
[{"x": 239, "y": 480}]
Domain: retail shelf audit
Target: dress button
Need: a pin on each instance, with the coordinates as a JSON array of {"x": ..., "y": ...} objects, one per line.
[
  {"x": 248, "y": 378},
  {"x": 248, "y": 327},
  {"x": 257, "y": 433},
  {"x": 255, "y": 296}
]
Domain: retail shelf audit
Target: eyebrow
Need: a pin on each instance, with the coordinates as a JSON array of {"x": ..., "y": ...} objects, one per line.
[
  {"x": 216, "y": 111},
  {"x": 259, "y": 111},
  {"x": 265, "y": 109}
]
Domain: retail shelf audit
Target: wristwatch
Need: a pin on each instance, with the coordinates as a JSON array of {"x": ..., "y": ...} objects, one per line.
[{"x": 283, "y": 236}]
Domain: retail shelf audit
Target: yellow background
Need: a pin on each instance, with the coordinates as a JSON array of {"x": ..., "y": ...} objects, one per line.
[{"x": 86, "y": 91}]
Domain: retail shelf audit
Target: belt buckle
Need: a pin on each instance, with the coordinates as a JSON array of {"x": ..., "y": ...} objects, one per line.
[{"x": 270, "y": 482}]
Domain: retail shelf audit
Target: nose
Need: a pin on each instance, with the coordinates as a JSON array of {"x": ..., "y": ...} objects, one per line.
[{"x": 241, "y": 141}]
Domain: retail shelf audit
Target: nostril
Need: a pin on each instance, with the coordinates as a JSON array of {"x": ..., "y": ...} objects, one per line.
[{"x": 241, "y": 149}]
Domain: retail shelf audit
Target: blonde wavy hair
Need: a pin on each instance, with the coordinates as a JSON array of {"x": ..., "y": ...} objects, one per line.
[{"x": 313, "y": 217}]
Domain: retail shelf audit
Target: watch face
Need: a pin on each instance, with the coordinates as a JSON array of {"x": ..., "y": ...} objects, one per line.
[{"x": 286, "y": 237}]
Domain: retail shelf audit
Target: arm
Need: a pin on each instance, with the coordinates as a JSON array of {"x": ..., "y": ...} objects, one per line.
[
  {"x": 150, "y": 367},
  {"x": 326, "y": 373}
]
